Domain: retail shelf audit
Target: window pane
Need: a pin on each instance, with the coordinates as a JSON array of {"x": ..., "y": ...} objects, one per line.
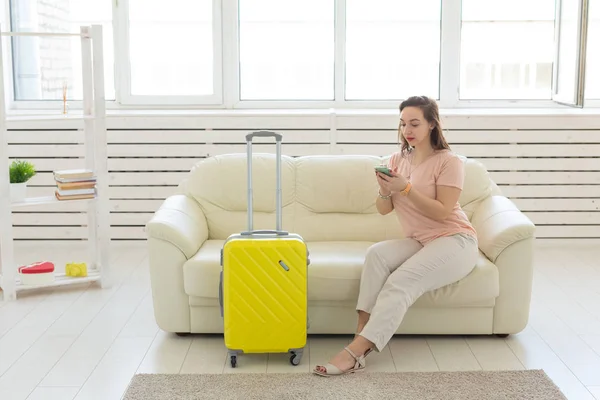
[
  {"x": 507, "y": 49},
  {"x": 592, "y": 71},
  {"x": 286, "y": 49},
  {"x": 380, "y": 63},
  {"x": 42, "y": 65},
  {"x": 171, "y": 47}
]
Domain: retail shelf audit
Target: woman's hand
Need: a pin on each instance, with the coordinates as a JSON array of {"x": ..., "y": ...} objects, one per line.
[{"x": 389, "y": 184}]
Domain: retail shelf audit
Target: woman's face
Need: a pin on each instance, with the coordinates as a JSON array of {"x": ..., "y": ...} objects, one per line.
[{"x": 414, "y": 127}]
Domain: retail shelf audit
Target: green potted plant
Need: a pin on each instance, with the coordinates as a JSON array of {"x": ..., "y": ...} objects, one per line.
[{"x": 20, "y": 172}]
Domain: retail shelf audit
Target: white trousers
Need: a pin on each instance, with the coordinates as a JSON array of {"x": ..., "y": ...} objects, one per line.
[{"x": 397, "y": 272}]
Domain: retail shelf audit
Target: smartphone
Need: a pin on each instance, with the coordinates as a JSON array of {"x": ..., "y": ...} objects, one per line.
[{"x": 384, "y": 170}]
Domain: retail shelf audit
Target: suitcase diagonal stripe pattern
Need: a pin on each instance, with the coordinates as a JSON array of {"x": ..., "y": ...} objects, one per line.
[
  {"x": 289, "y": 281},
  {"x": 300, "y": 277},
  {"x": 240, "y": 282},
  {"x": 270, "y": 293},
  {"x": 240, "y": 314},
  {"x": 241, "y": 297},
  {"x": 283, "y": 276}
]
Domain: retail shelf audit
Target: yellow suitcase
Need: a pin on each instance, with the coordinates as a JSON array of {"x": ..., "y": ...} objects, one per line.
[{"x": 263, "y": 285}]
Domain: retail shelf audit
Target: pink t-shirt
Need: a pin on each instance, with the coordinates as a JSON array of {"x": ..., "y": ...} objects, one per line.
[{"x": 442, "y": 168}]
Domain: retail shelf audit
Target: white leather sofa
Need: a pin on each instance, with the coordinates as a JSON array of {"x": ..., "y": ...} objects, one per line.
[{"x": 330, "y": 201}]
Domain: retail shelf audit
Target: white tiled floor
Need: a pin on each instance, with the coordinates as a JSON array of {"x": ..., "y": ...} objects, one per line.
[{"x": 87, "y": 343}]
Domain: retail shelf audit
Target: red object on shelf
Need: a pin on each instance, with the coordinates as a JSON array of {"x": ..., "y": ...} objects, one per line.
[{"x": 37, "y": 268}]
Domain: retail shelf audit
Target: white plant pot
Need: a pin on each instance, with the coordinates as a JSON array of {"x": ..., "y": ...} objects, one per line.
[{"x": 18, "y": 192}]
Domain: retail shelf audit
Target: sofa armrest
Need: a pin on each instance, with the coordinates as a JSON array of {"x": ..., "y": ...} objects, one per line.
[
  {"x": 506, "y": 237},
  {"x": 499, "y": 224},
  {"x": 181, "y": 222},
  {"x": 175, "y": 233}
]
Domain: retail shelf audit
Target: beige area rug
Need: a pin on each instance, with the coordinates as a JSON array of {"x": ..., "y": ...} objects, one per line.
[{"x": 471, "y": 385}]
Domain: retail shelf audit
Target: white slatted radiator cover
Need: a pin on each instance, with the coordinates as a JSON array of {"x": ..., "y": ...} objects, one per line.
[{"x": 549, "y": 165}]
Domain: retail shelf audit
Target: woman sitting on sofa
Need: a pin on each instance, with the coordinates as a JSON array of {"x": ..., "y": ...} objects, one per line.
[{"x": 440, "y": 245}]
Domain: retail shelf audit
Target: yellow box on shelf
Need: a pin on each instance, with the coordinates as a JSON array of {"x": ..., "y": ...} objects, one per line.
[{"x": 76, "y": 269}]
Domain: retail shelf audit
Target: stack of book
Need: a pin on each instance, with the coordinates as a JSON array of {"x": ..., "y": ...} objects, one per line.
[{"x": 75, "y": 184}]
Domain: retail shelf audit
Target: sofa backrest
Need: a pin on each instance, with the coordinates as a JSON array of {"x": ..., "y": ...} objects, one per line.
[{"x": 325, "y": 198}]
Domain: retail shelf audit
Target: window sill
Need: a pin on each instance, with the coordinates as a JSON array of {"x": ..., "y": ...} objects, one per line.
[
  {"x": 308, "y": 118},
  {"x": 366, "y": 112}
]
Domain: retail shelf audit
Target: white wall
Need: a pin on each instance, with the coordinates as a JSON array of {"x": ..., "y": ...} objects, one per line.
[{"x": 547, "y": 163}]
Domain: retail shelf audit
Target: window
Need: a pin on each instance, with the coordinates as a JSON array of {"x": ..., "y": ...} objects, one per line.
[
  {"x": 570, "y": 52},
  {"x": 592, "y": 72},
  {"x": 286, "y": 49},
  {"x": 392, "y": 49},
  {"x": 43, "y": 65},
  {"x": 567, "y": 48},
  {"x": 311, "y": 53},
  {"x": 171, "y": 53},
  {"x": 507, "y": 49}
]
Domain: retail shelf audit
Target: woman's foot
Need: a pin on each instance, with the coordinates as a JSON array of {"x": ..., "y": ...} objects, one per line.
[
  {"x": 357, "y": 334},
  {"x": 342, "y": 364},
  {"x": 350, "y": 359}
]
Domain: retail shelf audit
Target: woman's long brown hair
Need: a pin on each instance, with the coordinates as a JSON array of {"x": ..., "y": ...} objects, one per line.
[{"x": 431, "y": 113}]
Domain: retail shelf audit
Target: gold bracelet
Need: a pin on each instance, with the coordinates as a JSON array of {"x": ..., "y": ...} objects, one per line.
[{"x": 389, "y": 196}]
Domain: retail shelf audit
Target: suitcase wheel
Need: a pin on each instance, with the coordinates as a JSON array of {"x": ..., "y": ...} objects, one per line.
[
  {"x": 233, "y": 361},
  {"x": 295, "y": 359}
]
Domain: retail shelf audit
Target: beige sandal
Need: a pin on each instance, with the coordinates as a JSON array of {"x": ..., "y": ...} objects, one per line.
[{"x": 332, "y": 370}]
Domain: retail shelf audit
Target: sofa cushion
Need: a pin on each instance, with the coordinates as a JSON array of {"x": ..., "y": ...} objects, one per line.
[
  {"x": 225, "y": 205},
  {"x": 334, "y": 275},
  {"x": 337, "y": 184},
  {"x": 477, "y": 185}
]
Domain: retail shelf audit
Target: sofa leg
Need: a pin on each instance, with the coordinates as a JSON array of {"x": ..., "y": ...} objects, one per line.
[
  {"x": 183, "y": 333},
  {"x": 502, "y": 335}
]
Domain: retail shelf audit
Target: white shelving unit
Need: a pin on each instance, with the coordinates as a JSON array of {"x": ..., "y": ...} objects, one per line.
[{"x": 93, "y": 123}]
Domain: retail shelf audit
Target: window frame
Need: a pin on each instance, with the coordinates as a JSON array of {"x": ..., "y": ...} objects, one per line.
[
  {"x": 9, "y": 90},
  {"x": 577, "y": 96},
  {"x": 227, "y": 77},
  {"x": 123, "y": 69}
]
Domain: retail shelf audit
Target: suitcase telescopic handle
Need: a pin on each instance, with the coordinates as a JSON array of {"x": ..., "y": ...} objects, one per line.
[
  {"x": 265, "y": 232},
  {"x": 252, "y": 135},
  {"x": 278, "y": 205}
]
